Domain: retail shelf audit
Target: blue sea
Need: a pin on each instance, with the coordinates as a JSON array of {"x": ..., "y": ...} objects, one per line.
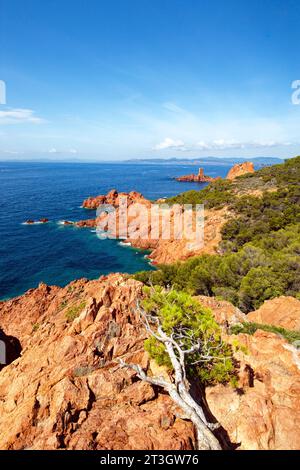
[{"x": 57, "y": 254}]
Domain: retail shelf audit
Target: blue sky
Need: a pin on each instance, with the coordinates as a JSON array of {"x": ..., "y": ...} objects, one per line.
[{"x": 117, "y": 79}]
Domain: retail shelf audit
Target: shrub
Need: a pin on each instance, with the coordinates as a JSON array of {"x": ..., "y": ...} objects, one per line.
[
  {"x": 74, "y": 311},
  {"x": 251, "y": 328},
  {"x": 81, "y": 371},
  {"x": 215, "y": 195},
  {"x": 183, "y": 317}
]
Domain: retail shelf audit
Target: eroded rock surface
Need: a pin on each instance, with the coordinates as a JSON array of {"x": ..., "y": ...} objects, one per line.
[
  {"x": 67, "y": 390},
  {"x": 240, "y": 169},
  {"x": 282, "y": 311}
]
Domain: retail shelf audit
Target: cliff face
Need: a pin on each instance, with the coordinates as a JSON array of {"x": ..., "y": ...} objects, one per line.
[
  {"x": 163, "y": 249},
  {"x": 113, "y": 198},
  {"x": 240, "y": 169},
  {"x": 67, "y": 391}
]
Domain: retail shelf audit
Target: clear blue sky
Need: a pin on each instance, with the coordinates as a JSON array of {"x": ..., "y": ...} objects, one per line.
[{"x": 117, "y": 79}]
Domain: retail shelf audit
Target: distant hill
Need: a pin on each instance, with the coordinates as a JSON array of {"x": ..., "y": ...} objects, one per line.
[{"x": 207, "y": 160}]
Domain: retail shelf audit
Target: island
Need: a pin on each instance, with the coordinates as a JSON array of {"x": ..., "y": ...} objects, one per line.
[{"x": 199, "y": 178}]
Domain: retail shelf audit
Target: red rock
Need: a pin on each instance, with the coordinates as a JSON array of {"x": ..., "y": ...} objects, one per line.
[
  {"x": 200, "y": 178},
  {"x": 112, "y": 198},
  {"x": 282, "y": 311},
  {"x": 89, "y": 223},
  {"x": 67, "y": 391},
  {"x": 240, "y": 169},
  {"x": 68, "y": 222},
  {"x": 224, "y": 312},
  {"x": 264, "y": 414},
  {"x": 162, "y": 250}
]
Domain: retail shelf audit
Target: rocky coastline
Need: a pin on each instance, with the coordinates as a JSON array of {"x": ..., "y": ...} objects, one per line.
[{"x": 62, "y": 386}]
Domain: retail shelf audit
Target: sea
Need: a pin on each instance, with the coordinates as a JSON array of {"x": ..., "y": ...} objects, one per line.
[{"x": 57, "y": 254}]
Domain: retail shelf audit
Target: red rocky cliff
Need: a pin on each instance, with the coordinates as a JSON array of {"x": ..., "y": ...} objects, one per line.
[
  {"x": 162, "y": 250},
  {"x": 67, "y": 391},
  {"x": 240, "y": 169}
]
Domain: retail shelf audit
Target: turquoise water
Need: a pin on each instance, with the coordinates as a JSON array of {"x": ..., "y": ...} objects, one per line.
[{"x": 57, "y": 254}]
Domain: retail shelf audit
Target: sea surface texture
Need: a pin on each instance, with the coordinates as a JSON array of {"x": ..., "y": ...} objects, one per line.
[{"x": 57, "y": 254}]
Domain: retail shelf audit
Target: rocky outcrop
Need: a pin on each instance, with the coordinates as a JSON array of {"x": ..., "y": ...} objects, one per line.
[
  {"x": 264, "y": 412},
  {"x": 112, "y": 198},
  {"x": 240, "y": 169},
  {"x": 282, "y": 311},
  {"x": 164, "y": 249},
  {"x": 199, "y": 178},
  {"x": 224, "y": 312},
  {"x": 67, "y": 390},
  {"x": 44, "y": 220}
]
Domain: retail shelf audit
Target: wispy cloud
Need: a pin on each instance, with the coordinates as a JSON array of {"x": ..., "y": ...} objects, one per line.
[
  {"x": 169, "y": 143},
  {"x": 173, "y": 107},
  {"x": 19, "y": 115},
  {"x": 218, "y": 144},
  {"x": 54, "y": 151},
  {"x": 222, "y": 144}
]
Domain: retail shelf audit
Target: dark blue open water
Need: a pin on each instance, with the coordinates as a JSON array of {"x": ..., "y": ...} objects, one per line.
[{"x": 58, "y": 254}]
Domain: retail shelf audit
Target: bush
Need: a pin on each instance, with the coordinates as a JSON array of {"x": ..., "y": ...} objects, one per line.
[
  {"x": 74, "y": 311},
  {"x": 215, "y": 195}
]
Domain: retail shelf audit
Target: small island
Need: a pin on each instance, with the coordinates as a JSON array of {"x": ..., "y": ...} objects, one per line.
[{"x": 199, "y": 178}]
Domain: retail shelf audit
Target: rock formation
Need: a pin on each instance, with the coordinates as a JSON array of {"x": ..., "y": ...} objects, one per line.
[
  {"x": 140, "y": 234},
  {"x": 67, "y": 390},
  {"x": 44, "y": 220},
  {"x": 112, "y": 198},
  {"x": 240, "y": 169},
  {"x": 199, "y": 178},
  {"x": 264, "y": 414},
  {"x": 282, "y": 311}
]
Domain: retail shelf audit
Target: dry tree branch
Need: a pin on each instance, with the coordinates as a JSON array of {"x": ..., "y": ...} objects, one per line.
[{"x": 178, "y": 390}]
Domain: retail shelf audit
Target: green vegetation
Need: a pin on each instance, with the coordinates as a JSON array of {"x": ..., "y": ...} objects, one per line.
[
  {"x": 81, "y": 371},
  {"x": 74, "y": 311},
  {"x": 260, "y": 244},
  {"x": 257, "y": 272},
  {"x": 63, "y": 305},
  {"x": 251, "y": 328},
  {"x": 182, "y": 317},
  {"x": 256, "y": 217},
  {"x": 216, "y": 195},
  {"x": 35, "y": 327}
]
